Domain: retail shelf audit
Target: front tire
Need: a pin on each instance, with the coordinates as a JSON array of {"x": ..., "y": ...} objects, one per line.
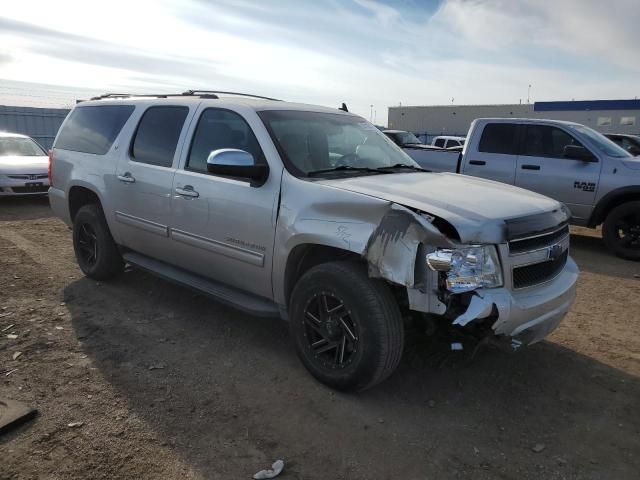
[
  {"x": 96, "y": 252},
  {"x": 347, "y": 327},
  {"x": 621, "y": 230}
]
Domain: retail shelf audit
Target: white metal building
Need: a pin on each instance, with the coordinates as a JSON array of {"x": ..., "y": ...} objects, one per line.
[{"x": 606, "y": 116}]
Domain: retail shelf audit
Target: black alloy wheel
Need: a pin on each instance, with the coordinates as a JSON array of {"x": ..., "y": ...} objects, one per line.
[
  {"x": 628, "y": 230},
  {"x": 330, "y": 330},
  {"x": 621, "y": 230},
  {"x": 347, "y": 327},
  {"x": 88, "y": 244},
  {"x": 96, "y": 252}
]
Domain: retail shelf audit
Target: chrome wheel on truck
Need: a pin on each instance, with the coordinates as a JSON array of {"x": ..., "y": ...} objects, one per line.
[
  {"x": 621, "y": 230},
  {"x": 347, "y": 327}
]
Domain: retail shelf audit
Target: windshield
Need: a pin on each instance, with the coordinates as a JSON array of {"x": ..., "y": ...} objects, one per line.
[
  {"x": 313, "y": 142},
  {"x": 602, "y": 143},
  {"x": 22, "y": 147},
  {"x": 407, "y": 138}
]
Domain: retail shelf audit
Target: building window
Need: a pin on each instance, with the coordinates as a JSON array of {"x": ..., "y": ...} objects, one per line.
[
  {"x": 604, "y": 121},
  {"x": 628, "y": 121}
]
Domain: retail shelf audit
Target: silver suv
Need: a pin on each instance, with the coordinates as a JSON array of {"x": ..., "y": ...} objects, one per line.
[{"x": 313, "y": 215}]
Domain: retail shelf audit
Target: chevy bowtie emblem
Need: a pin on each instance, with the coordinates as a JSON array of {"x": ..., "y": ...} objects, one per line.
[{"x": 555, "y": 252}]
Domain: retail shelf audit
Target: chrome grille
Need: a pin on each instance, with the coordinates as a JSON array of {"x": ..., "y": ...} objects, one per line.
[
  {"x": 34, "y": 176},
  {"x": 538, "y": 273},
  {"x": 536, "y": 242},
  {"x": 539, "y": 258}
]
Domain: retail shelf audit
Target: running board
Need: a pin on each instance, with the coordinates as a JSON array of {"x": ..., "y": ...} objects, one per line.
[{"x": 246, "y": 302}]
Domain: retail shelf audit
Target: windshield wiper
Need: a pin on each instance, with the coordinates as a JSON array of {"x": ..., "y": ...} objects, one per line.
[
  {"x": 401, "y": 165},
  {"x": 345, "y": 168}
]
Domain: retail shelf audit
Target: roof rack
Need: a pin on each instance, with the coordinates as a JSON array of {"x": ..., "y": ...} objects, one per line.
[
  {"x": 189, "y": 93},
  {"x": 214, "y": 92}
]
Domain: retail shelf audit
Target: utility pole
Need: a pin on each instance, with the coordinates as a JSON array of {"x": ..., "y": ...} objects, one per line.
[
  {"x": 529, "y": 94},
  {"x": 371, "y": 113}
]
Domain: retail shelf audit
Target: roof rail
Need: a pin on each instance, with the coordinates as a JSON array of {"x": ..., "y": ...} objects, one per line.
[
  {"x": 127, "y": 95},
  {"x": 188, "y": 93},
  {"x": 214, "y": 92}
]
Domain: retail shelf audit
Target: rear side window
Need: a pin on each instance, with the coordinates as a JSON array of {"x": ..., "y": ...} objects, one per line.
[
  {"x": 498, "y": 138},
  {"x": 157, "y": 135},
  {"x": 439, "y": 143},
  {"x": 546, "y": 141},
  {"x": 93, "y": 129},
  {"x": 218, "y": 129}
]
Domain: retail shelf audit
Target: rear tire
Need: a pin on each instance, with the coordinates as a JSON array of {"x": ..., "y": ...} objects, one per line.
[
  {"x": 347, "y": 327},
  {"x": 96, "y": 252},
  {"x": 621, "y": 231}
]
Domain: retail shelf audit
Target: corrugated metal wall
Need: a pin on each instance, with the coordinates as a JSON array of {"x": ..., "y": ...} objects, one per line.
[
  {"x": 456, "y": 119},
  {"x": 41, "y": 124}
]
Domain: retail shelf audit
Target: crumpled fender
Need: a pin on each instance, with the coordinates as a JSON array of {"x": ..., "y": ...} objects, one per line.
[{"x": 393, "y": 246}]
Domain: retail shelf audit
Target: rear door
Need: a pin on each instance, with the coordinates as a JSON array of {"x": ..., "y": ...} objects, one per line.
[
  {"x": 144, "y": 179},
  {"x": 223, "y": 227},
  {"x": 493, "y": 153},
  {"x": 543, "y": 168}
]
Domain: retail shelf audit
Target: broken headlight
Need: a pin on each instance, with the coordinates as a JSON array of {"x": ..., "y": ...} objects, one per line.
[{"x": 467, "y": 268}]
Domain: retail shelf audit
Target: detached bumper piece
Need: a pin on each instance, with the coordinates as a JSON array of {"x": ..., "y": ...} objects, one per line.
[{"x": 14, "y": 413}]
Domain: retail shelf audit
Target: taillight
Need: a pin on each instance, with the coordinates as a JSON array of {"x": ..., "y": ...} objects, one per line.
[{"x": 50, "y": 165}]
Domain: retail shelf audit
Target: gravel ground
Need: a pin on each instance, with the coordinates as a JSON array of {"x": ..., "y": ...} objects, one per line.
[{"x": 162, "y": 383}]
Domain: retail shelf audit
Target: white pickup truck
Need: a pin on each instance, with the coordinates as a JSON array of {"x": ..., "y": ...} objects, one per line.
[{"x": 594, "y": 177}]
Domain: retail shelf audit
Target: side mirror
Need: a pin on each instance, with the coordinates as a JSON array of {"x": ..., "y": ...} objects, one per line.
[
  {"x": 237, "y": 163},
  {"x": 577, "y": 152}
]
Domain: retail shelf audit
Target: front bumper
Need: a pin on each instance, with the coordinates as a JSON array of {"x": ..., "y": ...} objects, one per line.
[
  {"x": 530, "y": 314},
  {"x": 24, "y": 186}
]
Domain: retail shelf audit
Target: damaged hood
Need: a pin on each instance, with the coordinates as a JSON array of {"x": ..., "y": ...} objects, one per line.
[{"x": 480, "y": 210}]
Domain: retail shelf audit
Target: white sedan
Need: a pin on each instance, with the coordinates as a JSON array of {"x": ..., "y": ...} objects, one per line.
[{"x": 23, "y": 166}]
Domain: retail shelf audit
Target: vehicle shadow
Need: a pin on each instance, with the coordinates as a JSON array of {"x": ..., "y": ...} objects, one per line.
[
  {"x": 592, "y": 255},
  {"x": 226, "y": 391},
  {"x": 28, "y": 207}
]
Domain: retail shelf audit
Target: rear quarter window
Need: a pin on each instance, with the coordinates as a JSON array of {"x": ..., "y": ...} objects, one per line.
[
  {"x": 498, "y": 138},
  {"x": 93, "y": 129}
]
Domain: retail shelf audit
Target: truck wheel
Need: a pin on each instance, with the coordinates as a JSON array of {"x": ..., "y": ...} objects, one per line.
[
  {"x": 96, "y": 252},
  {"x": 347, "y": 328},
  {"x": 621, "y": 230}
]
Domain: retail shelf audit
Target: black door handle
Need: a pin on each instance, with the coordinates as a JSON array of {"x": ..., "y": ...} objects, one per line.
[
  {"x": 530, "y": 167},
  {"x": 477, "y": 162}
]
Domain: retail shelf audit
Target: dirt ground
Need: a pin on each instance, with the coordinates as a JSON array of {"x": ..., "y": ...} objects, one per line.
[{"x": 168, "y": 384}]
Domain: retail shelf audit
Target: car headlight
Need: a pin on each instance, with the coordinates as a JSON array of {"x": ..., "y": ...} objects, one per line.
[{"x": 467, "y": 268}]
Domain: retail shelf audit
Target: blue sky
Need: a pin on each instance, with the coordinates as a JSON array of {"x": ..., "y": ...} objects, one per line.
[{"x": 362, "y": 52}]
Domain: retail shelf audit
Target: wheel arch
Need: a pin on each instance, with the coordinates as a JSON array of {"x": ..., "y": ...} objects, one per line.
[
  {"x": 79, "y": 196},
  {"x": 610, "y": 201},
  {"x": 306, "y": 256}
]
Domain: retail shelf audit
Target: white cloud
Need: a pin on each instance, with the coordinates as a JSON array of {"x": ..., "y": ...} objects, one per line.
[{"x": 362, "y": 52}]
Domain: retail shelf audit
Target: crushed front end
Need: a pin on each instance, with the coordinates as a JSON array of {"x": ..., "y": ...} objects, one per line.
[{"x": 511, "y": 294}]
